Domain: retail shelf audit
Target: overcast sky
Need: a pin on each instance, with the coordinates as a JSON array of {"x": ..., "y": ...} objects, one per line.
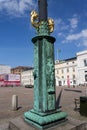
[{"x": 16, "y": 32}]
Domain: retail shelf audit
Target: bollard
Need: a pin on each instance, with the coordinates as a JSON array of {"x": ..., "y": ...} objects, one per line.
[{"x": 14, "y": 102}]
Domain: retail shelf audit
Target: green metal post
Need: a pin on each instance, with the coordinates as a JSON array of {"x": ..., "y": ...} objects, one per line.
[{"x": 44, "y": 113}]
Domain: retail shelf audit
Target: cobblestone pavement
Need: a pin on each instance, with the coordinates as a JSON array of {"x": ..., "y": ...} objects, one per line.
[{"x": 65, "y": 99}]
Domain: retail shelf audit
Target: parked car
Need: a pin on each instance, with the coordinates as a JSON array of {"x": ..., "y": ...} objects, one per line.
[{"x": 29, "y": 86}]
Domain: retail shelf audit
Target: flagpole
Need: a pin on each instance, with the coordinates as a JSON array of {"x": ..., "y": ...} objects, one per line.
[
  {"x": 58, "y": 51},
  {"x": 57, "y": 54}
]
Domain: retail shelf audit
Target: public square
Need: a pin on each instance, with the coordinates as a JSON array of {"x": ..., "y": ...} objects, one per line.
[{"x": 65, "y": 96}]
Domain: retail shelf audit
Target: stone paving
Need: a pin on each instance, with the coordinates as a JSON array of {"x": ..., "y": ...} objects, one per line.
[{"x": 65, "y": 100}]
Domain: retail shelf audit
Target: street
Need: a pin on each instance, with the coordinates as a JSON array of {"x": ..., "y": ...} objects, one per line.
[{"x": 64, "y": 96}]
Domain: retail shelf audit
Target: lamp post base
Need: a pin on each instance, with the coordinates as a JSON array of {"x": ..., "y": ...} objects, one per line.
[{"x": 45, "y": 120}]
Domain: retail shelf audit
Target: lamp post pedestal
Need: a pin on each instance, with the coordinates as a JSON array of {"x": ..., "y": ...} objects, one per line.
[{"x": 45, "y": 121}]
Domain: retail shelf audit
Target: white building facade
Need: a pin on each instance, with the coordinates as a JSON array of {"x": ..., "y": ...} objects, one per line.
[
  {"x": 82, "y": 67},
  {"x": 27, "y": 77},
  {"x": 72, "y": 71},
  {"x": 66, "y": 72},
  {"x": 5, "y": 69}
]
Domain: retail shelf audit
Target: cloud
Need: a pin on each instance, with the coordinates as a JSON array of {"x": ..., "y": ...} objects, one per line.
[
  {"x": 57, "y": 22},
  {"x": 81, "y": 37},
  {"x": 16, "y": 7},
  {"x": 82, "y": 34},
  {"x": 67, "y": 26},
  {"x": 66, "y": 31},
  {"x": 73, "y": 22},
  {"x": 60, "y": 34},
  {"x": 60, "y": 27}
]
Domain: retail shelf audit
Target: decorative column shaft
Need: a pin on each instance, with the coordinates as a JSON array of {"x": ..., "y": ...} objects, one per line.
[{"x": 44, "y": 77}]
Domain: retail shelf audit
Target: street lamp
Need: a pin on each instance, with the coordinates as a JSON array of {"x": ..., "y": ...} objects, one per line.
[{"x": 44, "y": 112}]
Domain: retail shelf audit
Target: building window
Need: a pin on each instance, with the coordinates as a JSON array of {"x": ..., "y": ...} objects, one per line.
[
  {"x": 60, "y": 83},
  {"x": 86, "y": 77},
  {"x": 85, "y": 62},
  {"x": 67, "y": 69},
  {"x": 73, "y": 76},
  {"x": 67, "y": 76},
  {"x": 57, "y": 72},
  {"x": 62, "y": 71},
  {"x": 62, "y": 77},
  {"x": 74, "y": 81},
  {"x": 73, "y": 69}
]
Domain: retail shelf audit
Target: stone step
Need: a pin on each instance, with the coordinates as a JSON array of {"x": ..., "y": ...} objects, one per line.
[{"x": 20, "y": 124}]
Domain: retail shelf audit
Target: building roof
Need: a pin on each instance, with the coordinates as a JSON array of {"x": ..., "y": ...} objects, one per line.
[
  {"x": 23, "y": 67},
  {"x": 65, "y": 60},
  {"x": 73, "y": 58},
  {"x": 82, "y": 53},
  {"x": 4, "y": 65}
]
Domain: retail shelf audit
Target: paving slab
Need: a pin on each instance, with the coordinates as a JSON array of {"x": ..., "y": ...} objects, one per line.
[
  {"x": 4, "y": 127},
  {"x": 69, "y": 124},
  {"x": 25, "y": 99}
]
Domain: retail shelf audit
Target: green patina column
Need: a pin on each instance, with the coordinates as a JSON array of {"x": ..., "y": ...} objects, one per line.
[
  {"x": 44, "y": 80},
  {"x": 44, "y": 112}
]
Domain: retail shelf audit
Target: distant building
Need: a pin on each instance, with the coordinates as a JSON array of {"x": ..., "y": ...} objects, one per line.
[
  {"x": 27, "y": 77},
  {"x": 5, "y": 69},
  {"x": 20, "y": 69},
  {"x": 9, "y": 80},
  {"x": 66, "y": 72},
  {"x": 72, "y": 71},
  {"x": 82, "y": 67}
]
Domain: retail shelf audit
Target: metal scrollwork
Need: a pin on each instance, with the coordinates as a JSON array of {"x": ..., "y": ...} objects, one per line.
[
  {"x": 34, "y": 19},
  {"x": 51, "y": 24}
]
